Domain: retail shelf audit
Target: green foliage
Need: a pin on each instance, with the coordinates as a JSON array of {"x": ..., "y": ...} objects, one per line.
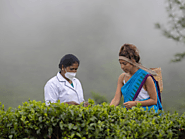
[
  {"x": 1, "y": 107},
  {"x": 178, "y": 57},
  {"x": 98, "y": 98},
  {"x": 61, "y": 121},
  {"x": 176, "y": 26}
]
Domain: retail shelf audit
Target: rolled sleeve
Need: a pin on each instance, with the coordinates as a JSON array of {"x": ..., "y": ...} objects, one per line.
[{"x": 50, "y": 93}]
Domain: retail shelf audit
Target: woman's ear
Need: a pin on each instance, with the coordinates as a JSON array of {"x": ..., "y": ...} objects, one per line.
[{"x": 62, "y": 67}]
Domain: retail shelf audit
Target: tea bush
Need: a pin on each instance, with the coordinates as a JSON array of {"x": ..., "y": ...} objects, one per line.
[{"x": 35, "y": 120}]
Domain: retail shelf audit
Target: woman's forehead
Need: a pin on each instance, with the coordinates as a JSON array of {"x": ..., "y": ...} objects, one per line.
[
  {"x": 74, "y": 65},
  {"x": 121, "y": 60}
]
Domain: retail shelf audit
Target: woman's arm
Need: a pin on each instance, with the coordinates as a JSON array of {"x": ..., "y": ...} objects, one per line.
[
  {"x": 150, "y": 88},
  {"x": 50, "y": 93},
  {"x": 72, "y": 103},
  {"x": 116, "y": 100}
]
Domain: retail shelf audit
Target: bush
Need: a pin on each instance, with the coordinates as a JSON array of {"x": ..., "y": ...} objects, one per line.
[
  {"x": 98, "y": 98},
  {"x": 35, "y": 120}
]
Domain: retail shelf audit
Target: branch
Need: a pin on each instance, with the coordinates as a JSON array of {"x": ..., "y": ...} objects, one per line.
[{"x": 178, "y": 57}]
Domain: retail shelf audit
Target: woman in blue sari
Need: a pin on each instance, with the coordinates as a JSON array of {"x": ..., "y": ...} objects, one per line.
[{"x": 136, "y": 84}]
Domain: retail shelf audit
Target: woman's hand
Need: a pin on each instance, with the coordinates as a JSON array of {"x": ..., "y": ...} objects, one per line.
[
  {"x": 130, "y": 104},
  {"x": 86, "y": 104},
  {"x": 72, "y": 103}
]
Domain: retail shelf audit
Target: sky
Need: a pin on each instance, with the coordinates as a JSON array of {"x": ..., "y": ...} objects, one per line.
[{"x": 36, "y": 34}]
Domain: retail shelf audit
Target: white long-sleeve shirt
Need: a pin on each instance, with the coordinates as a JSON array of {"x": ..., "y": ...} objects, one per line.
[{"x": 58, "y": 88}]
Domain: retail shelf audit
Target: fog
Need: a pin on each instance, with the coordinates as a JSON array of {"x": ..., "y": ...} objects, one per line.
[{"x": 36, "y": 34}]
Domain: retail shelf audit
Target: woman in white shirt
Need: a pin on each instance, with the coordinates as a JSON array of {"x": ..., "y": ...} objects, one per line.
[{"x": 64, "y": 86}]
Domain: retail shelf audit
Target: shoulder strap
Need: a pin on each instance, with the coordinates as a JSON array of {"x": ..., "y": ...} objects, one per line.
[
  {"x": 124, "y": 79},
  {"x": 139, "y": 89},
  {"x": 157, "y": 86},
  {"x": 142, "y": 83}
]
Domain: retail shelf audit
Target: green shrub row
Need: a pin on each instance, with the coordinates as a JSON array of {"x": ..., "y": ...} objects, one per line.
[{"x": 35, "y": 120}]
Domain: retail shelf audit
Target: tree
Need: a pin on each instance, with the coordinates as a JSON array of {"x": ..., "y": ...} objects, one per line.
[{"x": 175, "y": 29}]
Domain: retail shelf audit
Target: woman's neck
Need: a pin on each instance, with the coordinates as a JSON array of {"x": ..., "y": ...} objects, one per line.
[{"x": 133, "y": 71}]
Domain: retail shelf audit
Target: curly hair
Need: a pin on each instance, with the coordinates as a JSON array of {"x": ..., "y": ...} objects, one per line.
[{"x": 130, "y": 51}]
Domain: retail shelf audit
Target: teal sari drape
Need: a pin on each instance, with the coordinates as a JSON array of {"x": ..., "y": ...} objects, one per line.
[{"x": 132, "y": 87}]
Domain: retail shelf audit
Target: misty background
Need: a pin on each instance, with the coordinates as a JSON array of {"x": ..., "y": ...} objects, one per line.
[{"x": 36, "y": 34}]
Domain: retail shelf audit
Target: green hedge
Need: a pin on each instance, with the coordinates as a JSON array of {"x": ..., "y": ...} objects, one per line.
[{"x": 35, "y": 120}]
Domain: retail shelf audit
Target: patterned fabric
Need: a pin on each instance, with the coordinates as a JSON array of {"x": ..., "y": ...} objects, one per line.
[{"x": 132, "y": 87}]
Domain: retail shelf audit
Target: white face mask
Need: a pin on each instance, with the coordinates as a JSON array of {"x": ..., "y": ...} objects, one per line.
[{"x": 70, "y": 75}]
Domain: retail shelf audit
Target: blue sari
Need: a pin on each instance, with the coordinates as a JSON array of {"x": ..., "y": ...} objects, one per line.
[{"x": 132, "y": 87}]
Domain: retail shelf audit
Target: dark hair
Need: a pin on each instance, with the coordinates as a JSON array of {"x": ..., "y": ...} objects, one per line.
[
  {"x": 68, "y": 60},
  {"x": 130, "y": 51}
]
